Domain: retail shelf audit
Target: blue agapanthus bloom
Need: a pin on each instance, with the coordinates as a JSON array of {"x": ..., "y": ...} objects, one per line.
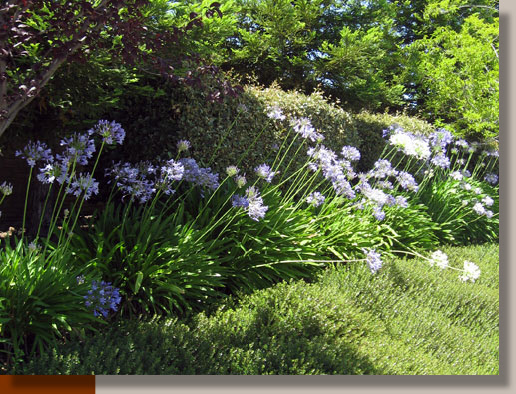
[
  {"x": 110, "y": 132},
  {"x": 102, "y": 297},
  {"x": 35, "y": 151},
  {"x": 79, "y": 148},
  {"x": 373, "y": 259},
  {"x": 264, "y": 171}
]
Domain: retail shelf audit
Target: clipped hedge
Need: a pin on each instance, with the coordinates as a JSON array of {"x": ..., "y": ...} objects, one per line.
[{"x": 222, "y": 132}]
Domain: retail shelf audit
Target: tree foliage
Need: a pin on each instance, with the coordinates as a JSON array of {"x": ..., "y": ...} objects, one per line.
[{"x": 38, "y": 36}]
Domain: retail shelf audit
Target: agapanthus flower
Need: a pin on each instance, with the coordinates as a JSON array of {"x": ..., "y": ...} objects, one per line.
[
  {"x": 488, "y": 201},
  {"x": 315, "y": 199},
  {"x": 401, "y": 201},
  {"x": 264, "y": 172},
  {"x": 275, "y": 113},
  {"x": 385, "y": 185},
  {"x": 240, "y": 181},
  {"x": 239, "y": 201},
  {"x": 232, "y": 171},
  {"x": 173, "y": 170},
  {"x": 373, "y": 259},
  {"x": 342, "y": 187},
  {"x": 456, "y": 175},
  {"x": 407, "y": 181},
  {"x": 35, "y": 151},
  {"x": 479, "y": 209},
  {"x": 53, "y": 172},
  {"x": 199, "y": 176},
  {"x": 441, "y": 161},
  {"x": 492, "y": 153},
  {"x": 492, "y": 179},
  {"x": 183, "y": 145},
  {"x": 133, "y": 181},
  {"x": 466, "y": 173},
  {"x": 378, "y": 213},
  {"x": 466, "y": 186},
  {"x": 83, "y": 183},
  {"x": 304, "y": 128},
  {"x": 441, "y": 138},
  {"x": 489, "y": 214},
  {"x": 439, "y": 258},
  {"x": 6, "y": 188},
  {"x": 102, "y": 297},
  {"x": 256, "y": 210},
  {"x": 477, "y": 190},
  {"x": 109, "y": 131},
  {"x": 375, "y": 195},
  {"x": 462, "y": 143},
  {"x": 382, "y": 169},
  {"x": 471, "y": 272},
  {"x": 79, "y": 148},
  {"x": 350, "y": 153}
]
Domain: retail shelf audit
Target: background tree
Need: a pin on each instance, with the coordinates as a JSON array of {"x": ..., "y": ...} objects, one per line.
[{"x": 38, "y": 36}]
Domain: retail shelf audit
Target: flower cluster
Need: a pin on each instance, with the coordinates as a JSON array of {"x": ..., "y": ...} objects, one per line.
[
  {"x": 6, "y": 188},
  {"x": 264, "y": 172},
  {"x": 199, "y": 176},
  {"x": 373, "y": 259},
  {"x": 440, "y": 259},
  {"x": 102, "y": 297},
  {"x": 35, "y": 151},
  {"x": 410, "y": 144},
  {"x": 79, "y": 148},
  {"x": 83, "y": 183},
  {"x": 338, "y": 171},
  {"x": 471, "y": 272},
  {"x": 252, "y": 203},
  {"x": 110, "y": 132},
  {"x": 275, "y": 113},
  {"x": 315, "y": 199},
  {"x": 133, "y": 181},
  {"x": 303, "y": 126}
]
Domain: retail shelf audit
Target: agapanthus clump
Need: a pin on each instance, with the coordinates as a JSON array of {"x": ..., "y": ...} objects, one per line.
[
  {"x": 264, "y": 172},
  {"x": 439, "y": 259},
  {"x": 373, "y": 259},
  {"x": 35, "y": 151},
  {"x": 102, "y": 297},
  {"x": 315, "y": 199},
  {"x": 471, "y": 272},
  {"x": 111, "y": 132}
]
